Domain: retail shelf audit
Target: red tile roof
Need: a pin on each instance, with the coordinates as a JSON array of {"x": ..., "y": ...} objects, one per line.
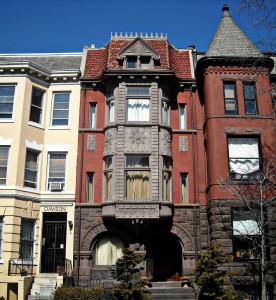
[{"x": 106, "y": 58}]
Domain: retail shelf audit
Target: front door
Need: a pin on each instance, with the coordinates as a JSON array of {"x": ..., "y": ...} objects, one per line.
[{"x": 53, "y": 242}]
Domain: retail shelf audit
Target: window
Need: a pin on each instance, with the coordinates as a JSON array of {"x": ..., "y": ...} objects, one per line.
[
  {"x": 56, "y": 173},
  {"x": 31, "y": 169},
  {"x": 92, "y": 115},
  {"x": 246, "y": 233},
  {"x": 36, "y": 106},
  {"x": 138, "y": 104},
  {"x": 60, "y": 115},
  {"x": 26, "y": 247},
  {"x": 138, "y": 62},
  {"x": 182, "y": 116},
  {"x": 4, "y": 155},
  {"x": 89, "y": 187},
  {"x": 107, "y": 250},
  {"x": 6, "y": 101},
  {"x": 165, "y": 108},
  {"x": 1, "y": 234},
  {"x": 243, "y": 157},
  {"x": 110, "y": 100},
  {"x": 230, "y": 100},
  {"x": 250, "y": 103},
  {"x": 137, "y": 176},
  {"x": 184, "y": 193},
  {"x": 108, "y": 177},
  {"x": 166, "y": 178}
]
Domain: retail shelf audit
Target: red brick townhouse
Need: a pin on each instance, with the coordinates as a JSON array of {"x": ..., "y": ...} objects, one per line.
[{"x": 159, "y": 128}]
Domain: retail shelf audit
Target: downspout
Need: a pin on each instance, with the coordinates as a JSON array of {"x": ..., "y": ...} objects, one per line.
[
  {"x": 80, "y": 190},
  {"x": 194, "y": 168}
]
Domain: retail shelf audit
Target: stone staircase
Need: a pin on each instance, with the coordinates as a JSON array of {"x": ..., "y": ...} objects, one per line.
[
  {"x": 43, "y": 286},
  {"x": 171, "y": 290}
]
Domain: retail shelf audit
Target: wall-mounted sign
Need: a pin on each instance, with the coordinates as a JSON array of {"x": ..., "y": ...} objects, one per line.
[{"x": 54, "y": 208}]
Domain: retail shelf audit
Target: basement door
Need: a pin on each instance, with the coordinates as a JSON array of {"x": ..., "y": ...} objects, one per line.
[{"x": 53, "y": 243}]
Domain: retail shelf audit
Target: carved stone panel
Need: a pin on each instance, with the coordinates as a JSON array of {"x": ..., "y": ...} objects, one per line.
[
  {"x": 110, "y": 141},
  {"x": 140, "y": 211},
  {"x": 91, "y": 142},
  {"x": 183, "y": 143},
  {"x": 165, "y": 142},
  {"x": 137, "y": 139}
]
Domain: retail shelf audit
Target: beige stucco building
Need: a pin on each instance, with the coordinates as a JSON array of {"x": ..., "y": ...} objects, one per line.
[{"x": 39, "y": 112}]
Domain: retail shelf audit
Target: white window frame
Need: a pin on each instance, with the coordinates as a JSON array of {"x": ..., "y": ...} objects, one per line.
[
  {"x": 37, "y": 168},
  {"x": 11, "y": 119},
  {"x": 63, "y": 183},
  {"x": 242, "y": 166},
  {"x": 139, "y": 101},
  {"x": 7, "y": 165},
  {"x": 53, "y": 110},
  {"x": 37, "y": 107},
  {"x": 182, "y": 116},
  {"x": 1, "y": 235},
  {"x": 32, "y": 241},
  {"x": 92, "y": 115}
]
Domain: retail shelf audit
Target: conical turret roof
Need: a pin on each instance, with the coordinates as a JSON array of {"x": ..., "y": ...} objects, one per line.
[{"x": 230, "y": 41}]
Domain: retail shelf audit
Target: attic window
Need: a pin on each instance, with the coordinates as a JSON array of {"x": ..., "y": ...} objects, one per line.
[{"x": 138, "y": 62}]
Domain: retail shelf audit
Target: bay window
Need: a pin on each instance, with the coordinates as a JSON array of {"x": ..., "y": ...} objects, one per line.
[
  {"x": 110, "y": 101},
  {"x": 6, "y": 101},
  {"x": 4, "y": 155},
  {"x": 244, "y": 157},
  {"x": 26, "y": 246},
  {"x": 165, "y": 108},
  {"x": 138, "y": 104},
  {"x": 137, "y": 177},
  {"x": 36, "y": 106},
  {"x": 166, "y": 178},
  {"x": 31, "y": 168},
  {"x": 250, "y": 103},
  {"x": 230, "y": 99},
  {"x": 108, "y": 173}
]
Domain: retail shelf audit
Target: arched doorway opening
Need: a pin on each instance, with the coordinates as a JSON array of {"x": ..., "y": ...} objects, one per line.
[{"x": 166, "y": 252}]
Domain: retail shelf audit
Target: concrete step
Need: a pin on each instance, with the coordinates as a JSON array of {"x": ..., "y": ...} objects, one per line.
[{"x": 43, "y": 287}]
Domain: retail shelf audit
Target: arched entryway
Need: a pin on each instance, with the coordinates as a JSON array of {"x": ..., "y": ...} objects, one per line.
[{"x": 166, "y": 253}]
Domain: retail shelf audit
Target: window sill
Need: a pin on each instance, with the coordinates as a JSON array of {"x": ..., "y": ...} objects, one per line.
[
  {"x": 1, "y": 261},
  {"x": 59, "y": 128},
  {"x": 37, "y": 125},
  {"x": 6, "y": 120}
]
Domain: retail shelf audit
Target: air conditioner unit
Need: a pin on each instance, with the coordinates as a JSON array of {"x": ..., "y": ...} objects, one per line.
[{"x": 56, "y": 186}]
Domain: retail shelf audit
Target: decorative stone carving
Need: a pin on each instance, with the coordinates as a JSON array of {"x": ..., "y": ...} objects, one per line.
[
  {"x": 165, "y": 142},
  {"x": 91, "y": 142},
  {"x": 184, "y": 236},
  {"x": 137, "y": 140},
  {"x": 90, "y": 234},
  {"x": 141, "y": 211},
  {"x": 138, "y": 47},
  {"x": 183, "y": 143}
]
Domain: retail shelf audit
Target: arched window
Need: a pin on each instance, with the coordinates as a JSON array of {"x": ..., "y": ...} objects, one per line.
[{"x": 107, "y": 250}]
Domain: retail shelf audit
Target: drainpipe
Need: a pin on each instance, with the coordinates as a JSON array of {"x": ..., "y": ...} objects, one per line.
[
  {"x": 194, "y": 167},
  {"x": 80, "y": 190}
]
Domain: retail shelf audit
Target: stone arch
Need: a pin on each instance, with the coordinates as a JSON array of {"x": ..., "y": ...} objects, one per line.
[
  {"x": 90, "y": 234},
  {"x": 185, "y": 237}
]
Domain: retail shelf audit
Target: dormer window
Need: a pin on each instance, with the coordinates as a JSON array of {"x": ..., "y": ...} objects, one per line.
[
  {"x": 139, "y": 62},
  {"x": 138, "y": 55}
]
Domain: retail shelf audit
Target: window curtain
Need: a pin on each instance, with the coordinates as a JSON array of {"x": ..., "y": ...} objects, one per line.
[
  {"x": 111, "y": 111},
  {"x": 245, "y": 224},
  {"x": 184, "y": 189},
  {"x": 108, "y": 250},
  {"x": 243, "y": 155},
  {"x": 108, "y": 176},
  {"x": 90, "y": 188},
  {"x": 57, "y": 168},
  {"x": 137, "y": 184},
  {"x": 166, "y": 185},
  {"x": 182, "y": 117},
  {"x": 138, "y": 109},
  {"x": 92, "y": 115},
  {"x": 165, "y": 112}
]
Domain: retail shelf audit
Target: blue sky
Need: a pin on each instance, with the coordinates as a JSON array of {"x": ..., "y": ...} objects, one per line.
[{"x": 43, "y": 26}]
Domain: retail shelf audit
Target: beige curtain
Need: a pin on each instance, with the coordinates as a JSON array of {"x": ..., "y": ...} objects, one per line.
[
  {"x": 166, "y": 185},
  {"x": 137, "y": 184},
  {"x": 184, "y": 191},
  {"x": 108, "y": 193},
  {"x": 108, "y": 250}
]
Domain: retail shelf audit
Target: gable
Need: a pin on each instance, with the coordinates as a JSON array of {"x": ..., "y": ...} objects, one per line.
[{"x": 138, "y": 48}]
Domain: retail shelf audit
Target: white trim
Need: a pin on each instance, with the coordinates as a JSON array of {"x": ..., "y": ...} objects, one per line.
[
  {"x": 58, "y": 148},
  {"x": 36, "y": 124},
  {"x": 5, "y": 142},
  {"x": 33, "y": 145}
]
